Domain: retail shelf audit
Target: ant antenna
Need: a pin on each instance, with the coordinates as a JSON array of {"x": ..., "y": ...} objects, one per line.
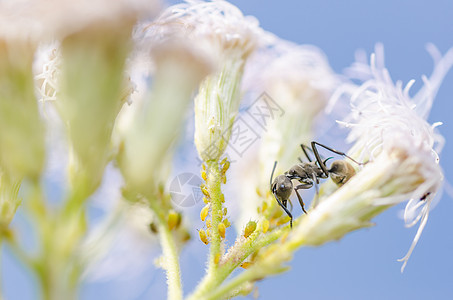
[
  {"x": 305, "y": 152},
  {"x": 272, "y": 174},
  {"x": 324, "y": 162},
  {"x": 304, "y": 149}
]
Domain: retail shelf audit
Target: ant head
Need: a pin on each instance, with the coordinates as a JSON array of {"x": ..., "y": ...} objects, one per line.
[
  {"x": 341, "y": 171},
  {"x": 282, "y": 187}
]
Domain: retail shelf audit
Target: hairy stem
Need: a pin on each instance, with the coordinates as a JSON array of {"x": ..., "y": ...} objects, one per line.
[
  {"x": 170, "y": 254},
  {"x": 236, "y": 255},
  {"x": 235, "y": 285},
  {"x": 213, "y": 185}
]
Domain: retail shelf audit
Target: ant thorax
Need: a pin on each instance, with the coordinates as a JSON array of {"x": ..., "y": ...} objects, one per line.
[{"x": 305, "y": 171}]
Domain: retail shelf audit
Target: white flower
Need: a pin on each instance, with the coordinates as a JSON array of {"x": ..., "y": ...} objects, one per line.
[
  {"x": 148, "y": 127},
  {"x": 95, "y": 43},
  {"x": 227, "y": 36},
  {"x": 21, "y": 20},
  {"x": 45, "y": 20},
  {"x": 300, "y": 81},
  {"x": 387, "y": 123},
  {"x": 217, "y": 24},
  {"x": 21, "y": 129}
]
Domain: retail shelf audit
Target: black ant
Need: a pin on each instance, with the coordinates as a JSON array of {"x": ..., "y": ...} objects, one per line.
[{"x": 308, "y": 174}]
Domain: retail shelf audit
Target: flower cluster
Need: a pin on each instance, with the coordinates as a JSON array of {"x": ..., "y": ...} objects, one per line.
[
  {"x": 387, "y": 124},
  {"x": 120, "y": 80}
]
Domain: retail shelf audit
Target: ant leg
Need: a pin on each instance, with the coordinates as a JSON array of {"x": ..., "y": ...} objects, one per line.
[
  {"x": 304, "y": 186},
  {"x": 304, "y": 149},
  {"x": 285, "y": 209},
  {"x": 313, "y": 144},
  {"x": 319, "y": 160},
  {"x": 290, "y": 203},
  {"x": 300, "y": 201},
  {"x": 316, "y": 182}
]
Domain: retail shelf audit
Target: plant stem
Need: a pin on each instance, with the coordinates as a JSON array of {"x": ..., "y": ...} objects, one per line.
[
  {"x": 170, "y": 254},
  {"x": 234, "y": 285},
  {"x": 231, "y": 286},
  {"x": 171, "y": 264},
  {"x": 235, "y": 257},
  {"x": 57, "y": 266},
  {"x": 213, "y": 184},
  {"x": 252, "y": 244}
]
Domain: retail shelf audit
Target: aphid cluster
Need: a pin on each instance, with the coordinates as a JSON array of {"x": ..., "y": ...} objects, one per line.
[
  {"x": 224, "y": 224},
  {"x": 308, "y": 174}
]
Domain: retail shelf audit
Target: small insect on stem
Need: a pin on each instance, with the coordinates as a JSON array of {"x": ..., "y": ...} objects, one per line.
[
  {"x": 308, "y": 174},
  {"x": 203, "y": 236},
  {"x": 426, "y": 195}
]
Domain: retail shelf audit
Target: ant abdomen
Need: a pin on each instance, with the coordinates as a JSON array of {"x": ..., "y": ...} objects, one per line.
[{"x": 341, "y": 171}]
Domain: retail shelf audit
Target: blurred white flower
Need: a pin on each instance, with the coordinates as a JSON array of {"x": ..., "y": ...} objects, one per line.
[
  {"x": 386, "y": 122},
  {"x": 46, "y": 20},
  {"x": 47, "y": 69},
  {"x": 217, "y": 25},
  {"x": 23, "y": 20},
  {"x": 21, "y": 130},
  {"x": 223, "y": 33},
  {"x": 147, "y": 128},
  {"x": 299, "y": 80},
  {"x": 95, "y": 43}
]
